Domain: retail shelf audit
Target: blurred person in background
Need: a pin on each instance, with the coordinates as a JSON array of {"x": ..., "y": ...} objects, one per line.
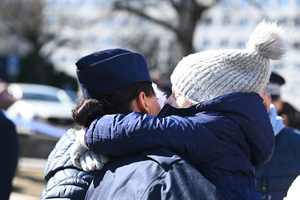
[
  {"x": 290, "y": 116},
  {"x": 118, "y": 81},
  {"x": 275, "y": 177},
  {"x": 9, "y": 156},
  {"x": 274, "y": 89},
  {"x": 161, "y": 83}
]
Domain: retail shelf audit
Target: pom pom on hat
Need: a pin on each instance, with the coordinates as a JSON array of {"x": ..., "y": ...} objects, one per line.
[
  {"x": 208, "y": 74},
  {"x": 268, "y": 40}
]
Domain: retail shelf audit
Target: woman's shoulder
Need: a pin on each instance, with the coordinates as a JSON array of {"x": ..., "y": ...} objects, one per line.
[{"x": 59, "y": 157}]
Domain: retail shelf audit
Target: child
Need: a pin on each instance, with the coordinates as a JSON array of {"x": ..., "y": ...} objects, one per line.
[{"x": 222, "y": 126}]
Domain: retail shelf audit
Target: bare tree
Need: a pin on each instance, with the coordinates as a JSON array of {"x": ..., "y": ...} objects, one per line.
[
  {"x": 188, "y": 14},
  {"x": 24, "y": 21}
]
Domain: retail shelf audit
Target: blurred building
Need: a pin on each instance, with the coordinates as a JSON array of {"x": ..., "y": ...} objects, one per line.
[
  {"x": 82, "y": 27},
  {"x": 229, "y": 23},
  {"x": 79, "y": 27}
]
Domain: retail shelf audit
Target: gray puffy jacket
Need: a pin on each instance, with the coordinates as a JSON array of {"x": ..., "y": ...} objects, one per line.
[{"x": 64, "y": 181}]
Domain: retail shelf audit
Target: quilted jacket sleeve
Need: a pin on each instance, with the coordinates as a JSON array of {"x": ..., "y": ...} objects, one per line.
[
  {"x": 67, "y": 184},
  {"x": 64, "y": 181},
  {"x": 125, "y": 134}
]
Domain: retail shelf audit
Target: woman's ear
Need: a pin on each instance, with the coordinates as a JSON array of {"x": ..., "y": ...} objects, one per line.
[{"x": 142, "y": 103}]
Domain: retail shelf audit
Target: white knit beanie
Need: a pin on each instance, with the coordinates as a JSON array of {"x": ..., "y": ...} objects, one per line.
[{"x": 208, "y": 74}]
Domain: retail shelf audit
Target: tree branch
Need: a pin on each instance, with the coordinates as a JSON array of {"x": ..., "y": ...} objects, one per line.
[
  {"x": 174, "y": 6},
  {"x": 140, "y": 13}
]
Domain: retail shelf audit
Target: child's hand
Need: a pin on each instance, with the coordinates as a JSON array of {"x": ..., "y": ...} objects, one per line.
[
  {"x": 84, "y": 159},
  {"x": 90, "y": 161}
]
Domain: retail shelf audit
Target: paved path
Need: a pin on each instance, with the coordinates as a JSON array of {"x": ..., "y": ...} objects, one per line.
[
  {"x": 31, "y": 163},
  {"x": 19, "y": 196},
  {"x": 28, "y": 164}
]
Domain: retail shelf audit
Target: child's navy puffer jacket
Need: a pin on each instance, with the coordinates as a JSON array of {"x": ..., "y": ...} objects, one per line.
[{"x": 224, "y": 138}]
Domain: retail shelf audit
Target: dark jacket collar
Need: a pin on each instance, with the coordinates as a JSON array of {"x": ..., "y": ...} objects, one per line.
[{"x": 231, "y": 98}]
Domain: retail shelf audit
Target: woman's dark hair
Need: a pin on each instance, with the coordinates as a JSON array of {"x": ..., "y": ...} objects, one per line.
[{"x": 117, "y": 101}]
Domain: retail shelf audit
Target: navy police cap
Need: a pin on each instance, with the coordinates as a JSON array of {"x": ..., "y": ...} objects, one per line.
[
  {"x": 276, "y": 78},
  {"x": 104, "y": 71},
  {"x": 274, "y": 85}
]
